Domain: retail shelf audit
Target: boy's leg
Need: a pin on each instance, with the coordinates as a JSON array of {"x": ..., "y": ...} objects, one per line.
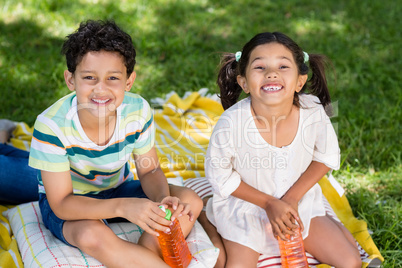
[
  {"x": 239, "y": 256},
  {"x": 186, "y": 195},
  {"x": 327, "y": 242},
  {"x": 98, "y": 240}
]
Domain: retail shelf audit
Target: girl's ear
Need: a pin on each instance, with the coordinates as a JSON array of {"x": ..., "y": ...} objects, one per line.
[
  {"x": 130, "y": 81},
  {"x": 69, "y": 78},
  {"x": 242, "y": 83},
  {"x": 301, "y": 81}
]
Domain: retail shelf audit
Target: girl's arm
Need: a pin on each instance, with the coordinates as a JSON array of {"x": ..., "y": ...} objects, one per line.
[
  {"x": 310, "y": 177},
  {"x": 279, "y": 213}
]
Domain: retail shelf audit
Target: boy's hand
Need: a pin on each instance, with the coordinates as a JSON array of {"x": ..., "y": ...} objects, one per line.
[
  {"x": 282, "y": 217},
  {"x": 147, "y": 215},
  {"x": 179, "y": 208}
]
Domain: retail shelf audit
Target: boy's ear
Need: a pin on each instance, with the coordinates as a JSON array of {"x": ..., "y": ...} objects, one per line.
[
  {"x": 242, "y": 83},
  {"x": 130, "y": 80},
  {"x": 69, "y": 78},
  {"x": 301, "y": 82}
]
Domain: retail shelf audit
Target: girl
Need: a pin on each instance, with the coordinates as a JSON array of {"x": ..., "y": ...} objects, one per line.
[{"x": 268, "y": 151}]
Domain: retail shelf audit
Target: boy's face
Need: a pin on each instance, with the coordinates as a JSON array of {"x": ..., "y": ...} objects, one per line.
[{"x": 100, "y": 81}]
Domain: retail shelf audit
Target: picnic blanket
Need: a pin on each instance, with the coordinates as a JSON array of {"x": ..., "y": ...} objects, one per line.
[{"x": 183, "y": 127}]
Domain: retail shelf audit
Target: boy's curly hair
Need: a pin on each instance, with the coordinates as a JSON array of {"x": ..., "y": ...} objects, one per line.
[{"x": 96, "y": 36}]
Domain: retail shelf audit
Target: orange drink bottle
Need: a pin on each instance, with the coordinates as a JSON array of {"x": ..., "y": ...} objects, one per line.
[
  {"x": 174, "y": 247},
  {"x": 292, "y": 251}
]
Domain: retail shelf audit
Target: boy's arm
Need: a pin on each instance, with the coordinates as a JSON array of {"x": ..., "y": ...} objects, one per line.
[
  {"x": 155, "y": 186},
  {"x": 67, "y": 206},
  {"x": 153, "y": 180}
]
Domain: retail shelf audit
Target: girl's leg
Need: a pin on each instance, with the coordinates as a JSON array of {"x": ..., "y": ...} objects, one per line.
[
  {"x": 328, "y": 243},
  {"x": 108, "y": 248},
  {"x": 213, "y": 234},
  {"x": 239, "y": 256}
]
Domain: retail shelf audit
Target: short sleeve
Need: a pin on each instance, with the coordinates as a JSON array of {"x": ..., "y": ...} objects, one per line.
[
  {"x": 146, "y": 135},
  {"x": 47, "y": 151},
  {"x": 326, "y": 148},
  {"x": 219, "y": 162}
]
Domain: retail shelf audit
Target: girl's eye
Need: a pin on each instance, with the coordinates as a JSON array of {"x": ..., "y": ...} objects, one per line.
[
  {"x": 283, "y": 67},
  {"x": 259, "y": 68}
]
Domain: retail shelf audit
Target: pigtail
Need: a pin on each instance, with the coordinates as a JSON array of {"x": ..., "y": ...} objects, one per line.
[
  {"x": 318, "y": 81},
  {"x": 227, "y": 80}
]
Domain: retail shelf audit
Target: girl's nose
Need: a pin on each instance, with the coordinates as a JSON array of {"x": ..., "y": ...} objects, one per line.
[{"x": 272, "y": 74}]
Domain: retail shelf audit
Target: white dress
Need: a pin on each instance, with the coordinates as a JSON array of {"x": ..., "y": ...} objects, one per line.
[{"x": 237, "y": 152}]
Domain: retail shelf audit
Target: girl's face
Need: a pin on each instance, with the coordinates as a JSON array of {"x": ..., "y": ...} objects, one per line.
[
  {"x": 272, "y": 76},
  {"x": 100, "y": 82}
]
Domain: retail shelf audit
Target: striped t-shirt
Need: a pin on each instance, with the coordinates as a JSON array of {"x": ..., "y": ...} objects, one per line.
[{"x": 60, "y": 144}]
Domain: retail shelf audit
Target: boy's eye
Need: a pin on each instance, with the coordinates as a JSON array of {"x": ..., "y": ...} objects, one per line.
[
  {"x": 113, "y": 78},
  {"x": 88, "y": 77}
]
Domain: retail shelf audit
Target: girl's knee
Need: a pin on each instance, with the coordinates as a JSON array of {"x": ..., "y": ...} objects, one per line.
[{"x": 354, "y": 261}]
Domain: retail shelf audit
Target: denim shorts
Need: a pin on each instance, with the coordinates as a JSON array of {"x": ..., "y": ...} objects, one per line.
[{"x": 55, "y": 224}]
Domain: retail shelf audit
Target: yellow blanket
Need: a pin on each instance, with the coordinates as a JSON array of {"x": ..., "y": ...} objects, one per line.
[
  {"x": 183, "y": 128},
  {"x": 9, "y": 255}
]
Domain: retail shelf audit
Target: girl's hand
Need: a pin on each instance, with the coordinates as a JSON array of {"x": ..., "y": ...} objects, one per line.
[
  {"x": 282, "y": 217},
  {"x": 146, "y": 214},
  {"x": 295, "y": 205},
  {"x": 179, "y": 208}
]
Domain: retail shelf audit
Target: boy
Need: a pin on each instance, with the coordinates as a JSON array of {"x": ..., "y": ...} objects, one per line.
[{"x": 82, "y": 144}]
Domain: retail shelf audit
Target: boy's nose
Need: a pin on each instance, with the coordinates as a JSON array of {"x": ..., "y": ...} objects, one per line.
[{"x": 100, "y": 86}]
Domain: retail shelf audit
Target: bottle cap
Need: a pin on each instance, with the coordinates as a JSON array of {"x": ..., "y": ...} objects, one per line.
[{"x": 167, "y": 211}]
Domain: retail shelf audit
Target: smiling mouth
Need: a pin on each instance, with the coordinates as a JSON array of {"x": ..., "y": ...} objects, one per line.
[
  {"x": 100, "y": 101},
  {"x": 271, "y": 88}
]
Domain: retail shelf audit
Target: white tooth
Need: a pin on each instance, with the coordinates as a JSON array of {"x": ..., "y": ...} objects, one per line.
[
  {"x": 100, "y": 101},
  {"x": 272, "y": 88}
]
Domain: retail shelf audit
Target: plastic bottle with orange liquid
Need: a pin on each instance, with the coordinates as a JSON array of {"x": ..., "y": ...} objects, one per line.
[
  {"x": 292, "y": 251},
  {"x": 174, "y": 247}
]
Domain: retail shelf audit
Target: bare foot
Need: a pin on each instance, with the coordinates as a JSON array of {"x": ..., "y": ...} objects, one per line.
[{"x": 6, "y": 128}]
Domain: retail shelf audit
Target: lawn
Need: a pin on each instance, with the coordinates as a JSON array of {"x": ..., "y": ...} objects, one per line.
[{"x": 179, "y": 44}]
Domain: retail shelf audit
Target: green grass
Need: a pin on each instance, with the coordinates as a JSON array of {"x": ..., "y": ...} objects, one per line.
[{"x": 178, "y": 45}]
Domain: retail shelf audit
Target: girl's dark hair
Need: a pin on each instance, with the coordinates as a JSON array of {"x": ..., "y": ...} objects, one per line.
[
  {"x": 230, "y": 90},
  {"x": 96, "y": 36}
]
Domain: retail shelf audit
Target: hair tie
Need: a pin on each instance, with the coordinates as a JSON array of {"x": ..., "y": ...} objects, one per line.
[
  {"x": 238, "y": 55},
  {"x": 306, "y": 57}
]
